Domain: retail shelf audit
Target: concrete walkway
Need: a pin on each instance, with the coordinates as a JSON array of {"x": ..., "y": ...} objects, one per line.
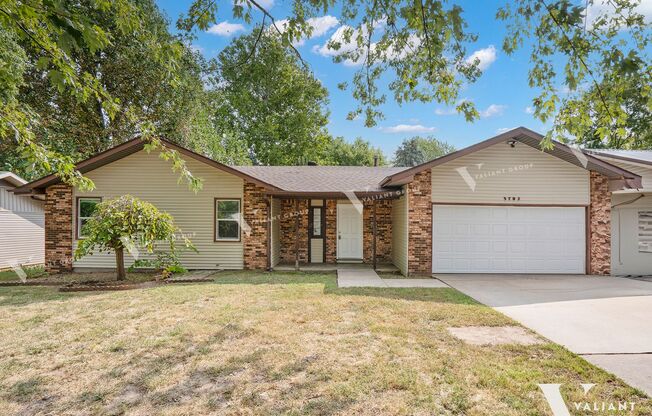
[
  {"x": 604, "y": 319},
  {"x": 358, "y": 277}
]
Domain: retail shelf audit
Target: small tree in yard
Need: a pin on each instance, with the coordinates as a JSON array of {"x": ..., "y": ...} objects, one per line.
[{"x": 126, "y": 222}]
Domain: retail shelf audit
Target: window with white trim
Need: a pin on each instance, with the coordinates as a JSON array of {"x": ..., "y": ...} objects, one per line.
[
  {"x": 85, "y": 210},
  {"x": 227, "y": 220}
]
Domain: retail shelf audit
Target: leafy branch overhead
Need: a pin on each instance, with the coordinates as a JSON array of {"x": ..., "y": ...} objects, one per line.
[
  {"x": 420, "y": 47},
  {"x": 79, "y": 77}
]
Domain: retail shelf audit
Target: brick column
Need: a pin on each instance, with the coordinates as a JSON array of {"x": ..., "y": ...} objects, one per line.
[
  {"x": 254, "y": 211},
  {"x": 419, "y": 193},
  {"x": 331, "y": 231},
  {"x": 58, "y": 228},
  {"x": 383, "y": 230},
  {"x": 286, "y": 228},
  {"x": 600, "y": 226}
]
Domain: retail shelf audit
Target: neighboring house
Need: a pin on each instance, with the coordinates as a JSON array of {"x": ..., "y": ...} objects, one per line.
[
  {"x": 500, "y": 206},
  {"x": 21, "y": 225},
  {"x": 631, "y": 215}
]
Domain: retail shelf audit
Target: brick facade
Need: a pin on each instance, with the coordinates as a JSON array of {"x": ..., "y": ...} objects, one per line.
[
  {"x": 383, "y": 230},
  {"x": 254, "y": 234},
  {"x": 600, "y": 226},
  {"x": 331, "y": 231},
  {"x": 287, "y": 226},
  {"x": 419, "y": 193},
  {"x": 58, "y": 209}
]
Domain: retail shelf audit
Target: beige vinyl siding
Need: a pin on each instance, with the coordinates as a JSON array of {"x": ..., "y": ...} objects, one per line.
[
  {"x": 12, "y": 202},
  {"x": 276, "y": 231},
  {"x": 150, "y": 178},
  {"x": 400, "y": 234},
  {"x": 21, "y": 238},
  {"x": 499, "y": 172}
]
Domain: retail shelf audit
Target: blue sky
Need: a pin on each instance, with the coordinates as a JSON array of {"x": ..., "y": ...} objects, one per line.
[{"x": 502, "y": 93}]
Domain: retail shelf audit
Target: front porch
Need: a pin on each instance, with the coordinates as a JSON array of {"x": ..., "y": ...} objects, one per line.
[
  {"x": 320, "y": 235},
  {"x": 332, "y": 267}
]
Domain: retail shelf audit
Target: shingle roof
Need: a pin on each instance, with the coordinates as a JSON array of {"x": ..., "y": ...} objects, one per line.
[
  {"x": 643, "y": 156},
  {"x": 322, "y": 178}
]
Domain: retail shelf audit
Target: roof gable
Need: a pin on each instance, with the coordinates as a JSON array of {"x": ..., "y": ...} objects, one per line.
[
  {"x": 532, "y": 139},
  {"x": 125, "y": 149}
]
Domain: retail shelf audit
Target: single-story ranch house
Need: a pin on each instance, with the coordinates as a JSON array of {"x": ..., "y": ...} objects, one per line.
[{"x": 500, "y": 206}]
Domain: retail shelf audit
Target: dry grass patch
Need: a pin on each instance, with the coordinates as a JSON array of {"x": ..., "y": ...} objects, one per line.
[{"x": 272, "y": 343}]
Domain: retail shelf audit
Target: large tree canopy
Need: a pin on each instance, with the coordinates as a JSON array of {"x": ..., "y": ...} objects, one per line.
[
  {"x": 78, "y": 76},
  {"x": 596, "y": 49},
  {"x": 129, "y": 71},
  {"x": 269, "y": 101},
  {"x": 359, "y": 153},
  {"x": 590, "y": 65},
  {"x": 417, "y": 150}
]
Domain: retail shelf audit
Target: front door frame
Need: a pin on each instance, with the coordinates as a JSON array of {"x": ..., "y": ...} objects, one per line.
[{"x": 339, "y": 213}]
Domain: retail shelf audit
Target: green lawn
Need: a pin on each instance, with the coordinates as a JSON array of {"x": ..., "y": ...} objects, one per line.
[{"x": 273, "y": 343}]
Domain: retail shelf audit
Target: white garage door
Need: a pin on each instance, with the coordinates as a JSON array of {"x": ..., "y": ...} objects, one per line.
[{"x": 495, "y": 239}]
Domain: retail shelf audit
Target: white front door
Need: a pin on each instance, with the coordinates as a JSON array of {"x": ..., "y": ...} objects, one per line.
[
  {"x": 349, "y": 232},
  {"x": 502, "y": 239}
]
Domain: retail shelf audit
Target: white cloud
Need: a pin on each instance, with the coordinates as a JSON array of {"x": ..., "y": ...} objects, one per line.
[
  {"x": 225, "y": 29},
  {"x": 393, "y": 52},
  {"x": 486, "y": 57},
  {"x": 445, "y": 111},
  {"x": 266, "y": 4},
  {"x": 450, "y": 111},
  {"x": 605, "y": 8},
  {"x": 338, "y": 37},
  {"x": 529, "y": 110},
  {"x": 408, "y": 128},
  {"x": 196, "y": 48},
  {"x": 320, "y": 26},
  {"x": 493, "y": 110},
  {"x": 504, "y": 129}
]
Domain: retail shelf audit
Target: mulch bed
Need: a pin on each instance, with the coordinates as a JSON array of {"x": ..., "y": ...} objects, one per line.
[
  {"x": 102, "y": 286},
  {"x": 105, "y": 286},
  {"x": 32, "y": 282}
]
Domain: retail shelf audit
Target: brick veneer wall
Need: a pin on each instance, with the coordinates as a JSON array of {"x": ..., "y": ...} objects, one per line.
[
  {"x": 383, "y": 230},
  {"x": 419, "y": 193},
  {"x": 600, "y": 225},
  {"x": 287, "y": 227},
  {"x": 331, "y": 231},
  {"x": 254, "y": 239},
  {"x": 58, "y": 209}
]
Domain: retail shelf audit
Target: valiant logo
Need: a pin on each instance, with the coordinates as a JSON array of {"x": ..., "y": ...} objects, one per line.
[
  {"x": 552, "y": 394},
  {"x": 471, "y": 180}
]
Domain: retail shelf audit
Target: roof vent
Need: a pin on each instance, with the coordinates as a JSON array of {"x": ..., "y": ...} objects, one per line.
[
  {"x": 312, "y": 163},
  {"x": 375, "y": 160}
]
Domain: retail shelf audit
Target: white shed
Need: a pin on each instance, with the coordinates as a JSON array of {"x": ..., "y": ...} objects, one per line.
[{"x": 22, "y": 240}]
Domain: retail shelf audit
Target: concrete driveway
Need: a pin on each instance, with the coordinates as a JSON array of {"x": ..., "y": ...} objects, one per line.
[{"x": 607, "y": 320}]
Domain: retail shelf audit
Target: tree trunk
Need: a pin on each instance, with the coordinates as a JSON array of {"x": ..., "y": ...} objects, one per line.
[{"x": 120, "y": 263}]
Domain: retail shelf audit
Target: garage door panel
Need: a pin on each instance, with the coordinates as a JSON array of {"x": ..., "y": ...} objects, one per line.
[{"x": 487, "y": 239}]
